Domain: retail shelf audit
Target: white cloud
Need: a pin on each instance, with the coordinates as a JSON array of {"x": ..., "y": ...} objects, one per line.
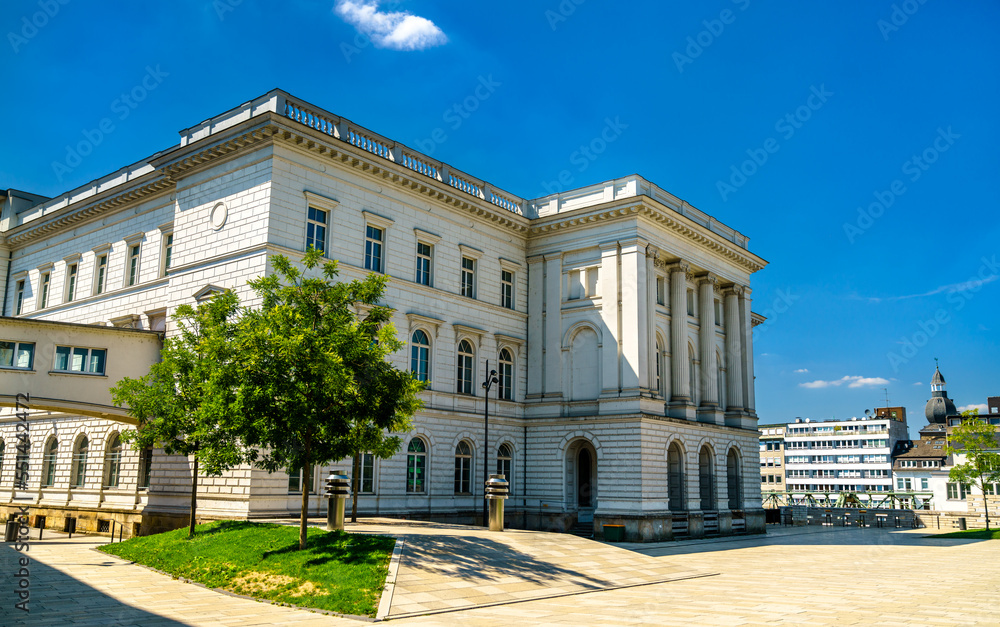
[
  {"x": 918, "y": 383},
  {"x": 981, "y": 407},
  {"x": 397, "y": 30},
  {"x": 802, "y": 370},
  {"x": 965, "y": 286},
  {"x": 855, "y": 381}
]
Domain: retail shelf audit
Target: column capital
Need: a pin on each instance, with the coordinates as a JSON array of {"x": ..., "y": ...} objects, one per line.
[
  {"x": 733, "y": 290},
  {"x": 653, "y": 251},
  {"x": 707, "y": 277},
  {"x": 679, "y": 266}
]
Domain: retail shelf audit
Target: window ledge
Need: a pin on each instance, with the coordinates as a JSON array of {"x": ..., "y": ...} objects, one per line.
[
  {"x": 13, "y": 369},
  {"x": 73, "y": 373}
]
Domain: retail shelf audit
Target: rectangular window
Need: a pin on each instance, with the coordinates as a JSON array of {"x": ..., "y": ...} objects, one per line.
[
  {"x": 923, "y": 483},
  {"x": 660, "y": 291},
  {"x": 295, "y": 481},
  {"x": 133, "y": 263},
  {"x": 145, "y": 467},
  {"x": 102, "y": 273},
  {"x": 690, "y": 302},
  {"x": 316, "y": 229},
  {"x": 373, "y": 248},
  {"x": 16, "y": 355},
  {"x": 43, "y": 292},
  {"x": 507, "y": 289},
  {"x": 168, "y": 251},
  {"x": 71, "y": 272},
  {"x": 956, "y": 491},
  {"x": 468, "y": 277},
  {"x": 718, "y": 313},
  {"x": 75, "y": 359},
  {"x": 19, "y": 298},
  {"x": 367, "y": 474},
  {"x": 423, "y": 263}
]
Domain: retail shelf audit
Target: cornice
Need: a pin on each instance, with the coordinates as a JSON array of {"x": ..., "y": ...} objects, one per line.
[
  {"x": 69, "y": 217},
  {"x": 642, "y": 207},
  {"x": 305, "y": 138}
]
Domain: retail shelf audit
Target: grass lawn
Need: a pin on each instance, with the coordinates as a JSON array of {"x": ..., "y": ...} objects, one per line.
[
  {"x": 336, "y": 572},
  {"x": 971, "y": 534}
]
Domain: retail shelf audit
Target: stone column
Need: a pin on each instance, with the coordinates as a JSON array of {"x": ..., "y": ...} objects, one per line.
[
  {"x": 747, "y": 330},
  {"x": 635, "y": 375},
  {"x": 553, "y": 326},
  {"x": 611, "y": 317},
  {"x": 680, "y": 379},
  {"x": 651, "y": 319},
  {"x": 536, "y": 317},
  {"x": 734, "y": 350},
  {"x": 709, "y": 411}
]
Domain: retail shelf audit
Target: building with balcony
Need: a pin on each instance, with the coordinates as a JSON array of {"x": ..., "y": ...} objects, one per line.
[{"x": 617, "y": 315}]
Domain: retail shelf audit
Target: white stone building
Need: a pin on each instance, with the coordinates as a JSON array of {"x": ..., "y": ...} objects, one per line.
[{"x": 618, "y": 316}]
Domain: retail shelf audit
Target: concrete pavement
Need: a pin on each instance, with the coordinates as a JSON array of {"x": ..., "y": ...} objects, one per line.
[{"x": 451, "y": 574}]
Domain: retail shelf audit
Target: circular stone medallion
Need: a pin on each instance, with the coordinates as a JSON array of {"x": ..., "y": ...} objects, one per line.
[{"x": 219, "y": 214}]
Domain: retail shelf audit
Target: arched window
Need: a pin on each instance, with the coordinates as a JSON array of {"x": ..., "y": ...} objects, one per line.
[
  {"x": 465, "y": 359},
  {"x": 49, "y": 463},
  {"x": 506, "y": 390},
  {"x": 113, "y": 462},
  {"x": 675, "y": 477},
  {"x": 420, "y": 350},
  {"x": 416, "y": 466},
  {"x": 504, "y": 457},
  {"x": 463, "y": 468},
  {"x": 706, "y": 479},
  {"x": 80, "y": 462},
  {"x": 733, "y": 479}
]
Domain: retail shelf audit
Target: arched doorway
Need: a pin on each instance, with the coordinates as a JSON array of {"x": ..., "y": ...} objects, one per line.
[{"x": 581, "y": 480}]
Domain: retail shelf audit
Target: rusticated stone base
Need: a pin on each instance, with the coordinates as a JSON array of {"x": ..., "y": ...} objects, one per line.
[{"x": 659, "y": 527}]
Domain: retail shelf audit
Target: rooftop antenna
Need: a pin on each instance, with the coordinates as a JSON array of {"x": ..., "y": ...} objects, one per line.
[{"x": 886, "y": 390}]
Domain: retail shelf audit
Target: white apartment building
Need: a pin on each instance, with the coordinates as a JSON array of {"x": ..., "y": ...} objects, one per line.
[
  {"x": 834, "y": 456},
  {"x": 617, "y": 315}
]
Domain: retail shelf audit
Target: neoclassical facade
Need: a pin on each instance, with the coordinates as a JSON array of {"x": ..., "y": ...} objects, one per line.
[{"x": 617, "y": 317}]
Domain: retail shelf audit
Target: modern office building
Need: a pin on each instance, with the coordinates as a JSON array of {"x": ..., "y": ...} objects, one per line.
[
  {"x": 772, "y": 458},
  {"x": 617, "y": 315}
]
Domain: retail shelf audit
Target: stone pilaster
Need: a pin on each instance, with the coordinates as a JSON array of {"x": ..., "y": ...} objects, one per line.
[
  {"x": 635, "y": 375},
  {"x": 553, "y": 326},
  {"x": 536, "y": 320},
  {"x": 734, "y": 350},
  {"x": 611, "y": 316},
  {"x": 747, "y": 331}
]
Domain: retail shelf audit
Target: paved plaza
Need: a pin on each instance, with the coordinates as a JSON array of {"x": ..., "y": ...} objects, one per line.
[{"x": 457, "y": 575}]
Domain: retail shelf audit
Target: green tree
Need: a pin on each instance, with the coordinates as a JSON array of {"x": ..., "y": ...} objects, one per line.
[
  {"x": 314, "y": 383},
  {"x": 976, "y": 439},
  {"x": 181, "y": 402}
]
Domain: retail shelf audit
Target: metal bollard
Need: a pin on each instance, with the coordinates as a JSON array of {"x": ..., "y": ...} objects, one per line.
[
  {"x": 338, "y": 489},
  {"x": 496, "y": 491}
]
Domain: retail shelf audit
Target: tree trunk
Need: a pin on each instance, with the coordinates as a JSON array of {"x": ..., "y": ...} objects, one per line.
[
  {"x": 356, "y": 480},
  {"x": 304, "y": 513},
  {"x": 194, "y": 496}
]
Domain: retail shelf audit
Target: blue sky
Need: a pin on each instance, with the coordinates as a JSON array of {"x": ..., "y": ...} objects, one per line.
[{"x": 855, "y": 143}]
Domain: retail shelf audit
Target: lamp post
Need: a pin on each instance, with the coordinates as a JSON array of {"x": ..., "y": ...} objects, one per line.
[{"x": 491, "y": 378}]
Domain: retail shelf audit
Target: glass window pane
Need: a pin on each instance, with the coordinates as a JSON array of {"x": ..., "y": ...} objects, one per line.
[
  {"x": 97, "y": 361},
  {"x": 62, "y": 357},
  {"x": 25, "y": 355},
  {"x": 6, "y": 354}
]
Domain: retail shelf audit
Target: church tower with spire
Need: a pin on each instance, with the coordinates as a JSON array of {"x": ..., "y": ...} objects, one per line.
[{"x": 939, "y": 406}]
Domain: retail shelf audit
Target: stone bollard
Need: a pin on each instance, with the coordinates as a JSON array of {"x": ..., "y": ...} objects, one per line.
[
  {"x": 337, "y": 489},
  {"x": 496, "y": 492}
]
